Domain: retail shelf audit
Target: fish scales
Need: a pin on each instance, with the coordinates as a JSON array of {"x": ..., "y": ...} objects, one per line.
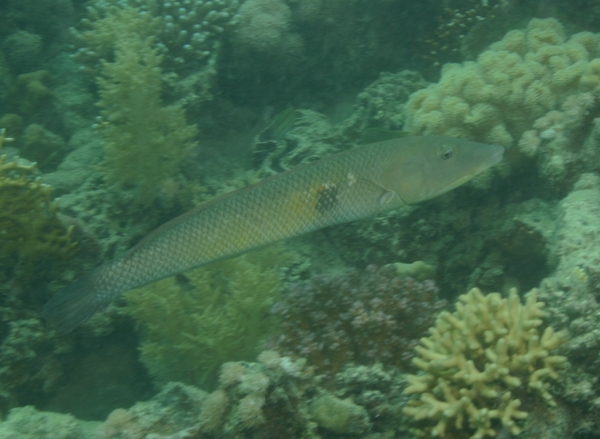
[{"x": 346, "y": 187}]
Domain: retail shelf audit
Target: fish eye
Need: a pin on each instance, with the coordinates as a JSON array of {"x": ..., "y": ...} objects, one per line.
[{"x": 445, "y": 155}]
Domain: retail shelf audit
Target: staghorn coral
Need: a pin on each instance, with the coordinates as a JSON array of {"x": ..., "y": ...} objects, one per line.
[
  {"x": 144, "y": 141},
  {"x": 192, "y": 323},
  {"x": 517, "y": 80},
  {"x": 367, "y": 318},
  {"x": 476, "y": 358}
]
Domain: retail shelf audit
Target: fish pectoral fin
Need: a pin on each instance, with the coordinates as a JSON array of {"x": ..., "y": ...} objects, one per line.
[
  {"x": 379, "y": 192},
  {"x": 386, "y": 197}
]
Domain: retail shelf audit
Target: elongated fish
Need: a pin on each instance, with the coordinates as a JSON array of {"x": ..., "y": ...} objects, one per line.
[{"x": 349, "y": 186}]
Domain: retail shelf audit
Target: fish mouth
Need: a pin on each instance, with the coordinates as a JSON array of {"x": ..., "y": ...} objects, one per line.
[{"x": 494, "y": 159}]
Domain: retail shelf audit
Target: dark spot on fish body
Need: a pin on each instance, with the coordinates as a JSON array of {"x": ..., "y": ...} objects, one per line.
[{"x": 327, "y": 198}]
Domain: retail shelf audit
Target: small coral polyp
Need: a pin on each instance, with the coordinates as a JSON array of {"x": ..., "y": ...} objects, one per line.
[{"x": 475, "y": 360}]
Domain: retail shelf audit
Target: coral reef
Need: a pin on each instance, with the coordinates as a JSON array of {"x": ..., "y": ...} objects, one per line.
[
  {"x": 172, "y": 411},
  {"x": 188, "y": 33},
  {"x": 478, "y": 359},
  {"x": 264, "y": 26},
  {"x": 590, "y": 80},
  {"x": 361, "y": 317},
  {"x": 192, "y": 323},
  {"x": 42, "y": 146},
  {"x": 571, "y": 296},
  {"x": 514, "y": 82},
  {"x": 105, "y": 29},
  {"x": 23, "y": 350},
  {"x": 28, "y": 220},
  {"x": 159, "y": 64},
  {"x": 267, "y": 398},
  {"x": 571, "y": 292},
  {"x": 275, "y": 397},
  {"x": 556, "y": 141},
  {"x": 456, "y": 21},
  {"x": 305, "y": 140},
  {"x": 339, "y": 415},
  {"x": 136, "y": 128},
  {"x": 381, "y": 104},
  {"x": 28, "y": 423},
  {"x": 12, "y": 124},
  {"x": 30, "y": 92},
  {"x": 23, "y": 50},
  {"x": 48, "y": 18}
]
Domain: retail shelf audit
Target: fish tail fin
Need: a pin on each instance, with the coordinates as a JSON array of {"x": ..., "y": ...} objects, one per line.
[{"x": 74, "y": 305}]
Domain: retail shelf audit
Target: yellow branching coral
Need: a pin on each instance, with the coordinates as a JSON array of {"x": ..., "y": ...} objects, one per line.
[
  {"x": 28, "y": 222},
  {"x": 476, "y": 358},
  {"x": 193, "y": 323}
]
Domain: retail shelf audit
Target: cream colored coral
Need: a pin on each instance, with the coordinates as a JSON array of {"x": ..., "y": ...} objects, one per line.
[
  {"x": 263, "y": 24},
  {"x": 517, "y": 80},
  {"x": 590, "y": 80},
  {"x": 475, "y": 357}
]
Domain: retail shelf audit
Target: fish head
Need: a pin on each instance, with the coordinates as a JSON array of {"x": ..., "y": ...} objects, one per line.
[{"x": 425, "y": 167}]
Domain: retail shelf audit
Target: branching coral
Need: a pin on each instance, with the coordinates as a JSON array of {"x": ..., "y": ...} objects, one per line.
[
  {"x": 375, "y": 317},
  {"x": 191, "y": 324},
  {"x": 188, "y": 33},
  {"x": 476, "y": 358}
]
